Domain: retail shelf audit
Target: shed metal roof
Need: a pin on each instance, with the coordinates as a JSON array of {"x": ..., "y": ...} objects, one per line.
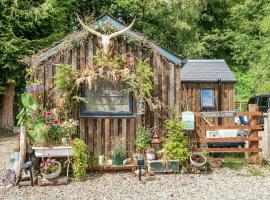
[
  {"x": 207, "y": 71},
  {"x": 104, "y": 19}
]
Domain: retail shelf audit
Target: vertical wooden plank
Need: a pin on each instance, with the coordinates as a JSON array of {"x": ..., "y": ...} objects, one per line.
[
  {"x": 65, "y": 57},
  {"x": 78, "y": 59},
  {"x": 115, "y": 128},
  {"x": 103, "y": 136},
  {"x": 253, "y": 133},
  {"x": 266, "y": 137},
  {"x": 178, "y": 90},
  {"x": 82, "y": 128},
  {"x": 154, "y": 63},
  {"x": 132, "y": 134},
  {"x": 82, "y": 56},
  {"x": 90, "y": 137},
  {"x": 99, "y": 139},
  {"x": 95, "y": 136},
  {"x": 128, "y": 137},
  {"x": 124, "y": 132},
  {"x": 107, "y": 135},
  {"x": 171, "y": 90},
  {"x": 89, "y": 56},
  {"x": 74, "y": 58},
  {"x": 70, "y": 57}
]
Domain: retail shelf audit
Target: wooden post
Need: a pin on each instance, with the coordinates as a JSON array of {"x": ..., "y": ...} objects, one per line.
[
  {"x": 266, "y": 136},
  {"x": 253, "y": 157},
  {"x": 22, "y": 155}
]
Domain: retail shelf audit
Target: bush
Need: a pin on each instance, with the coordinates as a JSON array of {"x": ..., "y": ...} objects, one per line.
[
  {"x": 176, "y": 143},
  {"x": 80, "y": 163},
  {"x": 142, "y": 138}
]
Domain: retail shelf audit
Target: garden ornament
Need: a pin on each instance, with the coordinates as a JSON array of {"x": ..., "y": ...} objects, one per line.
[{"x": 105, "y": 39}]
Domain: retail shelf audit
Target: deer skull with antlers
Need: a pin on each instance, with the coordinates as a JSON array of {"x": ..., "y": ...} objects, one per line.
[{"x": 105, "y": 39}]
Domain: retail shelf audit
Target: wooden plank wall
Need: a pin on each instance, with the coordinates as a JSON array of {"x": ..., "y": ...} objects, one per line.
[
  {"x": 99, "y": 132},
  {"x": 190, "y": 100}
]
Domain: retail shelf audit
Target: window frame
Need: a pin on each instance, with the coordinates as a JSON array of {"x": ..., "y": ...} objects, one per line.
[
  {"x": 213, "y": 99},
  {"x": 98, "y": 114},
  {"x": 267, "y": 101}
]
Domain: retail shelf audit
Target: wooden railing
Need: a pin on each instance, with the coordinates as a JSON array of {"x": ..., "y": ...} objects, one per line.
[{"x": 252, "y": 137}]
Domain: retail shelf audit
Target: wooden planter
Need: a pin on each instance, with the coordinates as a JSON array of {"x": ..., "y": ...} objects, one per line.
[{"x": 61, "y": 151}]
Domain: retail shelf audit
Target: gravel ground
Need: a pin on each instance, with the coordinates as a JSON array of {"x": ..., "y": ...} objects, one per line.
[{"x": 221, "y": 184}]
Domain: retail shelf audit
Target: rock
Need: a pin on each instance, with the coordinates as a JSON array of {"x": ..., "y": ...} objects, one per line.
[{"x": 137, "y": 172}]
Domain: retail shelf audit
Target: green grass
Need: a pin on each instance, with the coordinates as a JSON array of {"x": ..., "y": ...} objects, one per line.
[
  {"x": 255, "y": 172},
  {"x": 252, "y": 172},
  {"x": 233, "y": 164}
]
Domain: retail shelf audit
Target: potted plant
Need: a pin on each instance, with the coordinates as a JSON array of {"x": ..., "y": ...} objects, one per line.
[
  {"x": 150, "y": 154},
  {"x": 176, "y": 145},
  {"x": 197, "y": 159},
  {"x": 118, "y": 151},
  {"x": 50, "y": 168}
]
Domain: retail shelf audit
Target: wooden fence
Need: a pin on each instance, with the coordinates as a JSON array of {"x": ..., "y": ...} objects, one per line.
[{"x": 252, "y": 138}]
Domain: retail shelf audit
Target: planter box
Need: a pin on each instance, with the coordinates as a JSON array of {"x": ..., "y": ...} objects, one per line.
[
  {"x": 61, "y": 151},
  {"x": 158, "y": 166}
]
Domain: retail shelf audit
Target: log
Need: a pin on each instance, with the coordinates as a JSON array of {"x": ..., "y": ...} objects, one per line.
[
  {"x": 22, "y": 155},
  {"x": 46, "y": 182}
]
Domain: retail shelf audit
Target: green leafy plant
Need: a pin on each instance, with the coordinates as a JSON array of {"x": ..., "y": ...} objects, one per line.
[
  {"x": 39, "y": 134},
  {"x": 143, "y": 137},
  {"x": 140, "y": 82},
  {"x": 80, "y": 163},
  {"x": 93, "y": 160},
  {"x": 29, "y": 105},
  {"x": 176, "y": 143},
  {"x": 118, "y": 148},
  {"x": 65, "y": 79}
]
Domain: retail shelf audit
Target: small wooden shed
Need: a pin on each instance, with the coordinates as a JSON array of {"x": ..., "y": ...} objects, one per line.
[
  {"x": 78, "y": 49},
  {"x": 208, "y": 85}
]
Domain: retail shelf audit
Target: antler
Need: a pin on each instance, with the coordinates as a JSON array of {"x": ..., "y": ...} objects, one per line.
[
  {"x": 89, "y": 29},
  {"x": 105, "y": 39},
  {"x": 123, "y": 31}
]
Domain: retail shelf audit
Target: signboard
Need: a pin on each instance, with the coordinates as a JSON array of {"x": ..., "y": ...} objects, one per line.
[
  {"x": 218, "y": 114},
  {"x": 188, "y": 120}
]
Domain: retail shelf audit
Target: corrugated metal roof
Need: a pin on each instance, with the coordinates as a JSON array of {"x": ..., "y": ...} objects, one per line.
[
  {"x": 104, "y": 19},
  {"x": 207, "y": 71}
]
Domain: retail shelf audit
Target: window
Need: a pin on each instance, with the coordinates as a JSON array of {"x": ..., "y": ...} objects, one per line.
[
  {"x": 107, "y": 98},
  {"x": 263, "y": 101},
  {"x": 207, "y": 98},
  {"x": 252, "y": 100}
]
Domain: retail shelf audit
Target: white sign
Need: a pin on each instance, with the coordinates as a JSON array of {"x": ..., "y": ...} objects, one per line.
[{"x": 218, "y": 114}]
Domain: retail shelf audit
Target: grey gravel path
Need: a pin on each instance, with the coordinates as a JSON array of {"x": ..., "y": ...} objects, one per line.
[{"x": 221, "y": 184}]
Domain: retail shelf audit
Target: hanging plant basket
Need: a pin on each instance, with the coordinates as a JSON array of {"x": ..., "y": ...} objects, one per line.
[{"x": 197, "y": 160}]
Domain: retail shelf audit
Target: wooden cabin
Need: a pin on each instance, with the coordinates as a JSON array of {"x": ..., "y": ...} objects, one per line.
[
  {"x": 208, "y": 85},
  {"x": 98, "y": 127}
]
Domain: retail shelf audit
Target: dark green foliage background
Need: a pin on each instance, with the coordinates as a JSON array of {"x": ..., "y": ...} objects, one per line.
[{"x": 236, "y": 30}]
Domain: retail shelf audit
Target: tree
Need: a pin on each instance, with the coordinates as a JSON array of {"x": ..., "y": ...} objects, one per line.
[{"x": 26, "y": 26}]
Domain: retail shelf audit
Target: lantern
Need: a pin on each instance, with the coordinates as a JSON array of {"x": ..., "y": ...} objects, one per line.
[
  {"x": 141, "y": 107},
  {"x": 155, "y": 141}
]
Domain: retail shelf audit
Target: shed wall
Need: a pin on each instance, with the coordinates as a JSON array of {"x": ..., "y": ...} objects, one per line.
[
  {"x": 98, "y": 132},
  {"x": 190, "y": 99}
]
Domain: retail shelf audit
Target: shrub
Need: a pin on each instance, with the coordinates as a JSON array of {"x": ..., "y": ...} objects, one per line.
[
  {"x": 142, "y": 138},
  {"x": 80, "y": 163},
  {"x": 176, "y": 143}
]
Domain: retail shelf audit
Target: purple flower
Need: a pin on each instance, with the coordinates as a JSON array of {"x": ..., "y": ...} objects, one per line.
[{"x": 34, "y": 88}]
